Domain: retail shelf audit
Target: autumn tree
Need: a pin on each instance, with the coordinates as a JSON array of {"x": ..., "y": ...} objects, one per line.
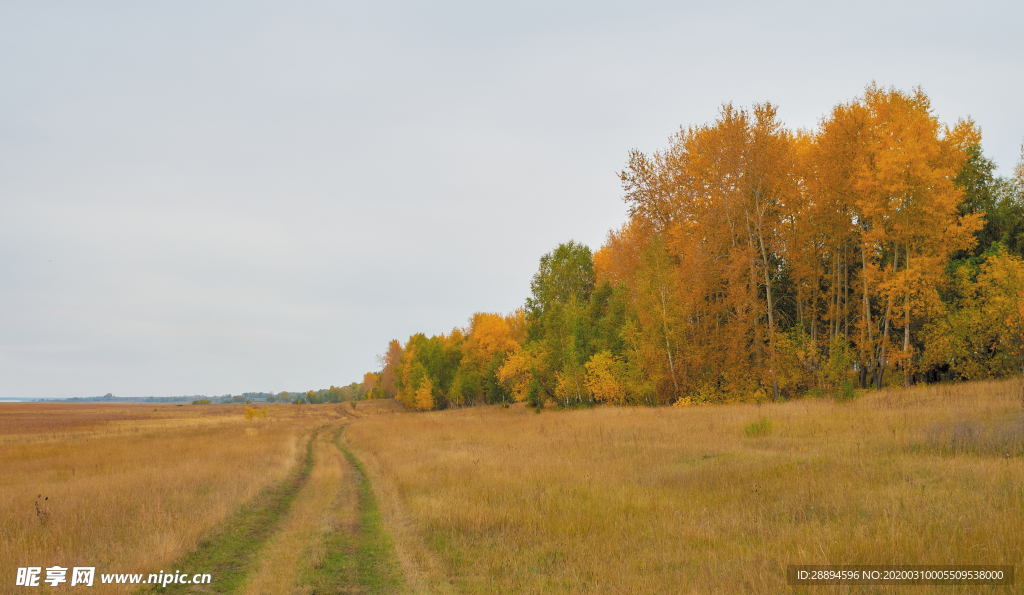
[
  {"x": 390, "y": 362},
  {"x": 758, "y": 262},
  {"x": 558, "y": 325},
  {"x": 906, "y": 208},
  {"x": 369, "y": 384},
  {"x": 980, "y": 332}
]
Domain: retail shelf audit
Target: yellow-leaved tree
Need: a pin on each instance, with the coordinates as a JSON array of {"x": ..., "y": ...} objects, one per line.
[
  {"x": 516, "y": 372},
  {"x": 981, "y": 334},
  {"x": 905, "y": 205},
  {"x": 424, "y": 395},
  {"x": 602, "y": 379}
]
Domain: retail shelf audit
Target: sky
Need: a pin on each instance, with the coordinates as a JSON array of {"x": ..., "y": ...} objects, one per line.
[{"x": 219, "y": 197}]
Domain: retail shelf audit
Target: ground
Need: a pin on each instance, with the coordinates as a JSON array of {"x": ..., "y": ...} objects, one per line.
[{"x": 371, "y": 499}]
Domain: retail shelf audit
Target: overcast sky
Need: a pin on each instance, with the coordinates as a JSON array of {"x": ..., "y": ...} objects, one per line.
[{"x": 213, "y": 197}]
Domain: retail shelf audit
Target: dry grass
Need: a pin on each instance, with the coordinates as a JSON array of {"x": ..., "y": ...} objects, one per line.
[
  {"x": 133, "y": 487},
  {"x": 326, "y": 505},
  {"x": 679, "y": 500}
]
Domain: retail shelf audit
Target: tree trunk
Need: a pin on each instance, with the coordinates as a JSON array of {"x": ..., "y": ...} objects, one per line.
[
  {"x": 771, "y": 320},
  {"x": 668, "y": 346},
  {"x": 906, "y": 329},
  {"x": 866, "y": 328},
  {"x": 880, "y": 370},
  {"x": 846, "y": 294}
]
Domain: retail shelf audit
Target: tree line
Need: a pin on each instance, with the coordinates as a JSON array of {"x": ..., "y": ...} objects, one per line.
[
  {"x": 759, "y": 262},
  {"x": 336, "y": 394}
]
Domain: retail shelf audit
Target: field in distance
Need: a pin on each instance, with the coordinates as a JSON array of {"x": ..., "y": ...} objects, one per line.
[{"x": 716, "y": 499}]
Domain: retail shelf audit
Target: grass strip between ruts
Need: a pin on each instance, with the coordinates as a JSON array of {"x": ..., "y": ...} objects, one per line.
[
  {"x": 229, "y": 554},
  {"x": 376, "y": 565}
]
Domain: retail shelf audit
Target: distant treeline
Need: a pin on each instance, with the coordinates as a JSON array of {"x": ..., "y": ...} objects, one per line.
[
  {"x": 334, "y": 394},
  {"x": 109, "y": 398},
  {"x": 762, "y": 263}
]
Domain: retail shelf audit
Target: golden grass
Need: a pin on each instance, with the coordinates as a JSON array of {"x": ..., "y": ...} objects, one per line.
[
  {"x": 327, "y": 504},
  {"x": 133, "y": 487},
  {"x": 678, "y": 500}
]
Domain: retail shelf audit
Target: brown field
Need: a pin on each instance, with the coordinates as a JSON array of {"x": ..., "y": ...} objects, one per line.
[
  {"x": 679, "y": 500},
  {"x": 492, "y": 500},
  {"x": 132, "y": 487}
]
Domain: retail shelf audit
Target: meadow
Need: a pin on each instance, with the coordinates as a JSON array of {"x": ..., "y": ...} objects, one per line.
[
  {"x": 131, "y": 488},
  {"x": 714, "y": 499},
  {"x": 368, "y": 498}
]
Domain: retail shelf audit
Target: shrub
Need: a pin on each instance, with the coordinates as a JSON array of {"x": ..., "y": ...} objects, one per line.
[
  {"x": 201, "y": 402},
  {"x": 533, "y": 397},
  {"x": 846, "y": 392},
  {"x": 254, "y": 414},
  {"x": 761, "y": 427}
]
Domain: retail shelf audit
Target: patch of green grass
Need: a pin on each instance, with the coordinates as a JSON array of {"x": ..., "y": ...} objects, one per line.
[
  {"x": 337, "y": 571},
  {"x": 761, "y": 427},
  {"x": 698, "y": 460},
  {"x": 377, "y": 568},
  {"x": 230, "y": 553}
]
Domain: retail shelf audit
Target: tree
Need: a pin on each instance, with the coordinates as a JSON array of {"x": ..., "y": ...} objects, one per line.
[
  {"x": 490, "y": 333},
  {"x": 618, "y": 259},
  {"x": 565, "y": 274},
  {"x": 661, "y": 335},
  {"x": 424, "y": 395},
  {"x": 906, "y": 206},
  {"x": 255, "y": 414},
  {"x": 369, "y": 384},
  {"x": 390, "y": 362},
  {"x": 980, "y": 333},
  {"x": 517, "y": 372},
  {"x": 603, "y": 379},
  {"x": 758, "y": 262}
]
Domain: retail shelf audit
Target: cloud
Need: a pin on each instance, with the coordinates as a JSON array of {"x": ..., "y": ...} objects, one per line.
[{"x": 216, "y": 197}]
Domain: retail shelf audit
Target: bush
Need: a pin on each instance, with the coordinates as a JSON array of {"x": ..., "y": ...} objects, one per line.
[
  {"x": 846, "y": 392},
  {"x": 254, "y": 414},
  {"x": 533, "y": 397},
  {"x": 201, "y": 402},
  {"x": 761, "y": 427}
]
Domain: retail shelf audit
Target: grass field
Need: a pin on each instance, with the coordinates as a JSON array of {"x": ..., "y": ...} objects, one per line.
[
  {"x": 369, "y": 499},
  {"x": 716, "y": 499},
  {"x": 140, "y": 489}
]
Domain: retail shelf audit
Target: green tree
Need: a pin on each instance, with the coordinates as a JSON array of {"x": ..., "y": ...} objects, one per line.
[
  {"x": 494, "y": 390},
  {"x": 565, "y": 274},
  {"x": 999, "y": 200}
]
